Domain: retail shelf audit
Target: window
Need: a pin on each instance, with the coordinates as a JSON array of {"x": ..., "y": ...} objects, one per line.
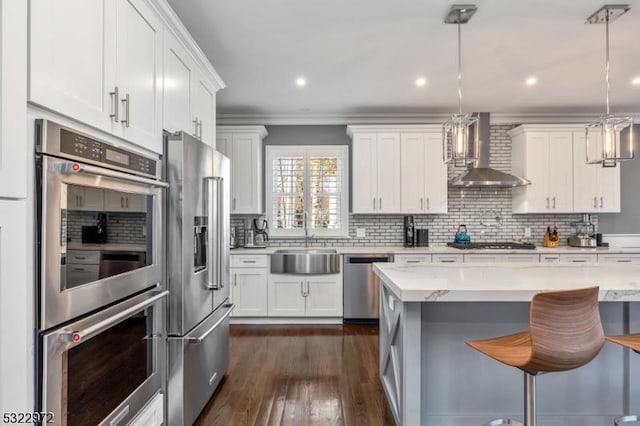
[{"x": 311, "y": 179}]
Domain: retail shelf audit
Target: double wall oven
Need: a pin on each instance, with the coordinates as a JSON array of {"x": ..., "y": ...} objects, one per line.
[{"x": 101, "y": 344}]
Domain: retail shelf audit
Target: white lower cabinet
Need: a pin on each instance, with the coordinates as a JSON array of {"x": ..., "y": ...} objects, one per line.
[
  {"x": 446, "y": 258},
  {"x": 579, "y": 258},
  {"x": 305, "y": 295},
  {"x": 152, "y": 414},
  {"x": 249, "y": 292},
  {"x": 412, "y": 258},
  {"x": 619, "y": 258}
]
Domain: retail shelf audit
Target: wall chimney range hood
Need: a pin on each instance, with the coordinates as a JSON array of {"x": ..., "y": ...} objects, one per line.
[{"x": 479, "y": 174}]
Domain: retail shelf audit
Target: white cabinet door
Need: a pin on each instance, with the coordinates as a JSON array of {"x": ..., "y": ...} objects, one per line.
[
  {"x": 246, "y": 174},
  {"x": 364, "y": 176},
  {"x": 72, "y": 59},
  {"x": 608, "y": 188},
  {"x": 537, "y": 173},
  {"x": 178, "y": 70},
  {"x": 520, "y": 258},
  {"x": 446, "y": 258},
  {"x": 204, "y": 110},
  {"x": 578, "y": 258},
  {"x": 585, "y": 178},
  {"x": 388, "y": 172},
  {"x": 412, "y": 182},
  {"x": 139, "y": 73},
  {"x": 324, "y": 296},
  {"x": 85, "y": 198},
  {"x": 224, "y": 144},
  {"x": 249, "y": 292},
  {"x": 13, "y": 99},
  {"x": 558, "y": 165},
  {"x": 482, "y": 258},
  {"x": 619, "y": 258},
  {"x": 16, "y": 302},
  {"x": 285, "y": 298},
  {"x": 435, "y": 175},
  {"x": 410, "y": 259}
]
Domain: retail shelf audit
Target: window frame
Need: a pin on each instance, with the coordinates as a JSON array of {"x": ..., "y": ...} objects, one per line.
[{"x": 307, "y": 151}]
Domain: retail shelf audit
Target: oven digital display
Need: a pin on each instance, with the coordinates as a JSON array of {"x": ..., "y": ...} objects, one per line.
[{"x": 117, "y": 157}]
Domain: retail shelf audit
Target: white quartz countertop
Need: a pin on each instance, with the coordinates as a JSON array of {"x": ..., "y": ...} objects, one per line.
[
  {"x": 107, "y": 247},
  {"x": 517, "y": 282},
  {"x": 446, "y": 250}
]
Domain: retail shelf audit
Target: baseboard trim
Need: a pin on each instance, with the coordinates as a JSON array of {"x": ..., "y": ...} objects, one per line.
[{"x": 285, "y": 321}]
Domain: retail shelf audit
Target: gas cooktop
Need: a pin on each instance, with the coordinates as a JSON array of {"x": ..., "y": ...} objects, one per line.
[{"x": 506, "y": 245}]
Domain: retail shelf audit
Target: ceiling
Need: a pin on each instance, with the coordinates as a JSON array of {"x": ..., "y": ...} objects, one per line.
[{"x": 363, "y": 56}]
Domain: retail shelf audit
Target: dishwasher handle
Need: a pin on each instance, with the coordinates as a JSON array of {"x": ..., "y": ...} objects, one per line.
[{"x": 357, "y": 259}]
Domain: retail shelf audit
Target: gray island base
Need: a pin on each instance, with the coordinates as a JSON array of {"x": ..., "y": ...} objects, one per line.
[{"x": 431, "y": 377}]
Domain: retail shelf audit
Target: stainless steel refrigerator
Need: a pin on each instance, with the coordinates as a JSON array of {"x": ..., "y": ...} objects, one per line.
[{"x": 197, "y": 273}]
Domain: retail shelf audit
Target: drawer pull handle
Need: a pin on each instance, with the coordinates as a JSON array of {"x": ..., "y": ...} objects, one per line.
[
  {"x": 412, "y": 261},
  {"x": 623, "y": 260},
  {"x": 248, "y": 261}
]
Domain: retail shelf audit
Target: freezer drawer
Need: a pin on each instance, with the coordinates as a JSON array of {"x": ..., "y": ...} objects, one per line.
[{"x": 197, "y": 363}]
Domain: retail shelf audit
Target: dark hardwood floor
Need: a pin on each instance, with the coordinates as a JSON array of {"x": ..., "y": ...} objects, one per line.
[{"x": 300, "y": 375}]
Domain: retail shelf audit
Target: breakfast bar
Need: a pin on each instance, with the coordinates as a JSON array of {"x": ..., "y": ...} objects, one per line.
[{"x": 431, "y": 377}]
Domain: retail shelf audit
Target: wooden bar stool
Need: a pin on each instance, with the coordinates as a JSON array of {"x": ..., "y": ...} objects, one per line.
[
  {"x": 629, "y": 341},
  {"x": 564, "y": 333}
]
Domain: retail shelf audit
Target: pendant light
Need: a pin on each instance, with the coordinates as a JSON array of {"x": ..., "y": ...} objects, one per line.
[
  {"x": 459, "y": 136},
  {"x": 610, "y": 139}
]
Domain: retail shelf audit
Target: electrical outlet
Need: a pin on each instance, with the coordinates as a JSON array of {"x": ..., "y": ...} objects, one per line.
[
  {"x": 361, "y": 232},
  {"x": 527, "y": 232}
]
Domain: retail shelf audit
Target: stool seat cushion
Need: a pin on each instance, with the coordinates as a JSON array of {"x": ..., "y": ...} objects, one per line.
[{"x": 631, "y": 341}]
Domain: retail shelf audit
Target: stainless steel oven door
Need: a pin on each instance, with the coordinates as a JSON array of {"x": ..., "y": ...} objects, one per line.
[
  {"x": 74, "y": 279},
  {"x": 103, "y": 369}
]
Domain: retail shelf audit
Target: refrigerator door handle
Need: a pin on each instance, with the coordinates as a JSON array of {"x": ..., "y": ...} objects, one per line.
[
  {"x": 212, "y": 203},
  {"x": 204, "y": 335}
]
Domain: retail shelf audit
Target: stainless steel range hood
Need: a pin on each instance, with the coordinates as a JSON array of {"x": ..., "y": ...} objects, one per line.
[{"x": 479, "y": 174}]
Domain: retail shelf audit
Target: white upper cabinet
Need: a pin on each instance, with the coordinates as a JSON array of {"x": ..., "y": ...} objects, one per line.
[
  {"x": 596, "y": 189},
  {"x": 545, "y": 157},
  {"x": 204, "y": 110},
  {"x": 376, "y": 171},
  {"x": 243, "y": 145},
  {"x": 189, "y": 102},
  {"x": 398, "y": 169},
  {"x": 13, "y": 102},
  {"x": 109, "y": 64},
  {"x": 178, "y": 71},
  {"x": 72, "y": 58},
  {"x": 423, "y": 173},
  {"x": 139, "y": 73}
]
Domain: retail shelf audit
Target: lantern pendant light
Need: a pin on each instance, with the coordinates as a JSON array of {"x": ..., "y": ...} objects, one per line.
[
  {"x": 459, "y": 136},
  {"x": 610, "y": 139}
]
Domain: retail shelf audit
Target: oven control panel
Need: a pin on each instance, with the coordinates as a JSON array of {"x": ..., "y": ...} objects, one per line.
[{"x": 84, "y": 147}]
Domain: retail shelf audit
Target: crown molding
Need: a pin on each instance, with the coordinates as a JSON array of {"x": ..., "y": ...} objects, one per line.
[
  {"x": 260, "y": 130},
  {"x": 399, "y": 118},
  {"x": 178, "y": 29}
]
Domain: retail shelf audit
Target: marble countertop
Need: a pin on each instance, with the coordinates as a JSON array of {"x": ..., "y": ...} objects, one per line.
[
  {"x": 107, "y": 247},
  {"x": 447, "y": 250},
  {"x": 512, "y": 282}
]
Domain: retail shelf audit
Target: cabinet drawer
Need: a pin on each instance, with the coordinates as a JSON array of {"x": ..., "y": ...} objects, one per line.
[
  {"x": 578, "y": 258},
  {"x": 520, "y": 258},
  {"x": 249, "y": 260},
  {"x": 83, "y": 257},
  {"x": 482, "y": 258},
  {"x": 549, "y": 258},
  {"x": 619, "y": 258},
  {"x": 412, "y": 258},
  {"x": 446, "y": 258}
]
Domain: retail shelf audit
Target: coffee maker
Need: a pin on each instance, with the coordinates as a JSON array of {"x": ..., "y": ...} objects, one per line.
[
  {"x": 585, "y": 234},
  {"x": 409, "y": 232},
  {"x": 261, "y": 230}
]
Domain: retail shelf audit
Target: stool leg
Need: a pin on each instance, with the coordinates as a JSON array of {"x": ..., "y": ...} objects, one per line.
[
  {"x": 626, "y": 419},
  {"x": 529, "y": 399}
]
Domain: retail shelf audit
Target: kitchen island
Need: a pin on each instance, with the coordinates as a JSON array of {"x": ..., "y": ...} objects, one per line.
[{"x": 431, "y": 377}]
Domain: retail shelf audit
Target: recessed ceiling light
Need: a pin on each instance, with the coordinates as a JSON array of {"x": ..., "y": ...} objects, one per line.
[
  {"x": 531, "y": 81},
  {"x": 636, "y": 81},
  {"x": 421, "y": 81},
  {"x": 301, "y": 82}
]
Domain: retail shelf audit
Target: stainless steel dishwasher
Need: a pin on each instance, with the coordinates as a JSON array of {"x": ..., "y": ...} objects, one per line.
[{"x": 361, "y": 286}]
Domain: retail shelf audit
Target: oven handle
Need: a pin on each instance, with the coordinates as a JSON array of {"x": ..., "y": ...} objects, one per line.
[
  {"x": 77, "y": 336},
  {"x": 69, "y": 168},
  {"x": 204, "y": 335}
]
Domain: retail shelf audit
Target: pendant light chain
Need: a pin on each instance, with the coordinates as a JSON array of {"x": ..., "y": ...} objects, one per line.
[
  {"x": 459, "y": 67},
  {"x": 606, "y": 70}
]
